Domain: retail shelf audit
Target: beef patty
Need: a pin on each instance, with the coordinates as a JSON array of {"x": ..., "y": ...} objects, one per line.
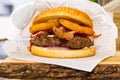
[{"x": 77, "y": 42}]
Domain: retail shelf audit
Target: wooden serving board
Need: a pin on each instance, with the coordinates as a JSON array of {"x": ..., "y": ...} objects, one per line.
[{"x": 108, "y": 69}]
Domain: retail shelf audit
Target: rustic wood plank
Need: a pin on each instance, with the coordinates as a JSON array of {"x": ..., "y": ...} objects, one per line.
[
  {"x": 116, "y": 19},
  {"x": 108, "y": 69},
  {"x": 117, "y": 54}
]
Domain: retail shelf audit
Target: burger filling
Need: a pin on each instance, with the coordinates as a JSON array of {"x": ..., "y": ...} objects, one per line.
[{"x": 60, "y": 37}]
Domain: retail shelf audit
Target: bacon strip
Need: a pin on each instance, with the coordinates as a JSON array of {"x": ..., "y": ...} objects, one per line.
[
  {"x": 94, "y": 36},
  {"x": 60, "y": 32}
]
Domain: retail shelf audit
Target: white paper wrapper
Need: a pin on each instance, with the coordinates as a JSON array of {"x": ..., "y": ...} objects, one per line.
[{"x": 23, "y": 16}]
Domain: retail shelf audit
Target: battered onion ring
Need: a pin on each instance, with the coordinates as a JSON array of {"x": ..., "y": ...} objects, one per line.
[
  {"x": 76, "y": 27},
  {"x": 42, "y": 26}
]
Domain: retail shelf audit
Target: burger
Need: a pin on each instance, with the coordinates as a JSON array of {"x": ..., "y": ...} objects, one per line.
[{"x": 62, "y": 32}]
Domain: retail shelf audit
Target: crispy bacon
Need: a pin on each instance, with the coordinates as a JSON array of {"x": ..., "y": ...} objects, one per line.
[
  {"x": 37, "y": 34},
  {"x": 94, "y": 36},
  {"x": 61, "y": 33},
  {"x": 69, "y": 35}
]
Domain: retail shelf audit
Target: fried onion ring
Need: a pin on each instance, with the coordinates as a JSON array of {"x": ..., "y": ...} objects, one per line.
[
  {"x": 43, "y": 26},
  {"x": 76, "y": 27}
]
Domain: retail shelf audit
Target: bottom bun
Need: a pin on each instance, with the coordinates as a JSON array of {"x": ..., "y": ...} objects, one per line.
[{"x": 63, "y": 53}]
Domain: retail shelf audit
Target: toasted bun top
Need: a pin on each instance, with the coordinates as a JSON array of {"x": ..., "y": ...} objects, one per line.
[{"x": 65, "y": 13}]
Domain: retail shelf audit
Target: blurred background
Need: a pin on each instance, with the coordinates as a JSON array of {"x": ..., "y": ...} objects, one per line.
[{"x": 7, "y": 29}]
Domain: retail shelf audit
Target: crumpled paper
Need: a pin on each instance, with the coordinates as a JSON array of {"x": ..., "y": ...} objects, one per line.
[{"x": 105, "y": 44}]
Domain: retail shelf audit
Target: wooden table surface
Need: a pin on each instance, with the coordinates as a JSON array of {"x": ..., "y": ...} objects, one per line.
[{"x": 108, "y": 69}]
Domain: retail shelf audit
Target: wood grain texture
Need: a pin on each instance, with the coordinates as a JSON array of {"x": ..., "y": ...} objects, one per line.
[
  {"x": 108, "y": 69},
  {"x": 116, "y": 19}
]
